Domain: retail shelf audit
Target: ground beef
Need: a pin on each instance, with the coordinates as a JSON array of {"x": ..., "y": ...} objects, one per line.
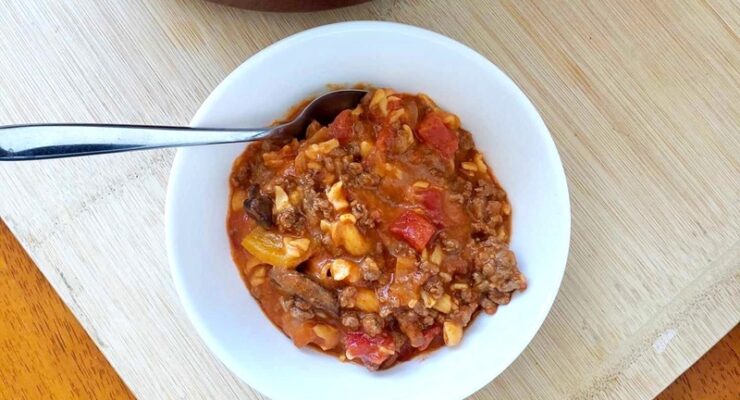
[
  {"x": 315, "y": 206},
  {"x": 367, "y": 180},
  {"x": 399, "y": 339},
  {"x": 338, "y": 154},
  {"x": 486, "y": 211},
  {"x": 499, "y": 297},
  {"x": 372, "y": 324},
  {"x": 464, "y": 314},
  {"x": 401, "y": 249},
  {"x": 370, "y": 270},
  {"x": 496, "y": 270},
  {"x": 428, "y": 267},
  {"x": 386, "y": 310},
  {"x": 290, "y": 221},
  {"x": 355, "y": 168},
  {"x": 298, "y": 308},
  {"x": 477, "y": 207},
  {"x": 485, "y": 206},
  {"x": 354, "y": 149},
  {"x": 420, "y": 310},
  {"x": 347, "y": 297},
  {"x": 306, "y": 182},
  {"x": 466, "y": 295},
  {"x": 461, "y": 190},
  {"x": 408, "y": 322},
  {"x": 427, "y": 316},
  {"x": 466, "y": 141},
  {"x": 434, "y": 287},
  {"x": 365, "y": 219},
  {"x": 507, "y": 277},
  {"x": 449, "y": 245},
  {"x": 360, "y": 178},
  {"x": 350, "y": 320},
  {"x": 484, "y": 229},
  {"x": 488, "y": 306},
  {"x": 241, "y": 176},
  {"x": 488, "y": 269}
]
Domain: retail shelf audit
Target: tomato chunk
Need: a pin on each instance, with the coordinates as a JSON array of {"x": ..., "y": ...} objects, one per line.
[
  {"x": 414, "y": 228},
  {"x": 431, "y": 200},
  {"x": 341, "y": 128},
  {"x": 434, "y": 133},
  {"x": 372, "y": 351}
]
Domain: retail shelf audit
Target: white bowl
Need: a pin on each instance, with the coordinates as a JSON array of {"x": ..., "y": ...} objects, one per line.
[{"x": 506, "y": 128}]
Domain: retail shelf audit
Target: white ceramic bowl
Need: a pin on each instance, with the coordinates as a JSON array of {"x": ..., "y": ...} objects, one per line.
[{"x": 506, "y": 128}]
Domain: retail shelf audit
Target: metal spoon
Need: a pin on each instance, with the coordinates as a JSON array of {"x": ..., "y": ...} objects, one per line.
[{"x": 35, "y": 142}]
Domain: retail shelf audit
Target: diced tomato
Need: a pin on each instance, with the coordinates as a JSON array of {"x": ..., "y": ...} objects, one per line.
[
  {"x": 373, "y": 351},
  {"x": 341, "y": 128},
  {"x": 414, "y": 228},
  {"x": 431, "y": 200},
  {"x": 433, "y": 132},
  {"x": 429, "y": 335}
]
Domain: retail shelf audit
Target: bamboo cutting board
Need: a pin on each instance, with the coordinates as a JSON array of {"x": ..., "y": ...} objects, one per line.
[{"x": 642, "y": 98}]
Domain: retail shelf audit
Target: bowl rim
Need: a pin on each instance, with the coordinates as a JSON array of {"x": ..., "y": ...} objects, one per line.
[{"x": 206, "y": 107}]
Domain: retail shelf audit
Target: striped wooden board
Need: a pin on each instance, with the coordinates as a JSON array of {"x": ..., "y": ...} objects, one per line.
[{"x": 642, "y": 98}]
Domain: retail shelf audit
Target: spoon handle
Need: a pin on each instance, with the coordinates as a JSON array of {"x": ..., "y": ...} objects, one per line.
[{"x": 35, "y": 142}]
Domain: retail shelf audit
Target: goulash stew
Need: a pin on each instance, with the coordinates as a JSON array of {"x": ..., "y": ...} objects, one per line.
[{"x": 379, "y": 236}]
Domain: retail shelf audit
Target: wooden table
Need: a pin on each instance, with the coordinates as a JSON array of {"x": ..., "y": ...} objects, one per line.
[
  {"x": 44, "y": 352},
  {"x": 642, "y": 98}
]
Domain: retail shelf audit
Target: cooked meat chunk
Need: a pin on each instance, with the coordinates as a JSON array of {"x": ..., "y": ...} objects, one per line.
[
  {"x": 347, "y": 297},
  {"x": 372, "y": 324},
  {"x": 365, "y": 219},
  {"x": 315, "y": 205},
  {"x": 507, "y": 277},
  {"x": 298, "y": 308},
  {"x": 434, "y": 286},
  {"x": 497, "y": 264},
  {"x": 259, "y": 207},
  {"x": 370, "y": 270},
  {"x": 409, "y": 323},
  {"x": 292, "y": 282},
  {"x": 367, "y": 180},
  {"x": 290, "y": 221},
  {"x": 499, "y": 297},
  {"x": 450, "y": 246},
  {"x": 488, "y": 306},
  {"x": 241, "y": 176},
  {"x": 351, "y": 320}
]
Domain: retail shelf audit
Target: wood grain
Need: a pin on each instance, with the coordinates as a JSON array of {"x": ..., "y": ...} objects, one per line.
[
  {"x": 44, "y": 352},
  {"x": 642, "y": 98},
  {"x": 288, "y": 5},
  {"x": 716, "y": 376}
]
